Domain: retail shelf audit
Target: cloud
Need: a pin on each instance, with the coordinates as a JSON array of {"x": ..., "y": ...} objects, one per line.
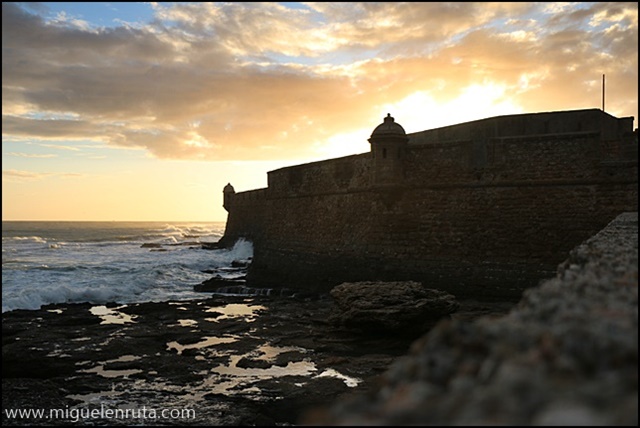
[
  {"x": 29, "y": 155},
  {"x": 20, "y": 176},
  {"x": 13, "y": 175},
  {"x": 53, "y": 129},
  {"x": 60, "y": 147},
  {"x": 252, "y": 81}
]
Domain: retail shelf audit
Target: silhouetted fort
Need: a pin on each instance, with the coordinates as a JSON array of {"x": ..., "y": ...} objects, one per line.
[{"x": 482, "y": 208}]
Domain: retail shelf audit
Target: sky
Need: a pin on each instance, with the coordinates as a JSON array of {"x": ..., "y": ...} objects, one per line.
[{"x": 145, "y": 111}]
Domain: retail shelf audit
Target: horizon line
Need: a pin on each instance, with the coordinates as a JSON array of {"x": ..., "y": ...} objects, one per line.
[{"x": 123, "y": 221}]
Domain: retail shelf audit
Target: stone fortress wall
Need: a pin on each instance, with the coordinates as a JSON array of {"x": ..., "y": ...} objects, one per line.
[{"x": 483, "y": 208}]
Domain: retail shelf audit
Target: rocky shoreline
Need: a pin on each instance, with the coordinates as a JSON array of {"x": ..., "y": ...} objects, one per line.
[{"x": 234, "y": 360}]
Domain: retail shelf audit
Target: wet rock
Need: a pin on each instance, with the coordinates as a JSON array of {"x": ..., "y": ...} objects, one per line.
[
  {"x": 216, "y": 283},
  {"x": 250, "y": 363},
  {"x": 302, "y": 395},
  {"x": 283, "y": 359},
  {"x": 150, "y": 245},
  {"x": 139, "y": 364},
  {"x": 397, "y": 307},
  {"x": 241, "y": 263},
  {"x": 211, "y": 246},
  {"x": 78, "y": 361}
]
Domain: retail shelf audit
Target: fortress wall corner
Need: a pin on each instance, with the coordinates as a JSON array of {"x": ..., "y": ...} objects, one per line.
[{"x": 246, "y": 216}]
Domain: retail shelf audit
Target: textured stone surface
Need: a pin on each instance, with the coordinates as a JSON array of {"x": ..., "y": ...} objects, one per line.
[
  {"x": 231, "y": 365},
  {"x": 482, "y": 209},
  {"x": 567, "y": 354},
  {"x": 400, "y": 307},
  {"x": 63, "y": 356}
]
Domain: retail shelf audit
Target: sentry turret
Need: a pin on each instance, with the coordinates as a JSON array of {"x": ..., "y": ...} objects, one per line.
[{"x": 388, "y": 147}]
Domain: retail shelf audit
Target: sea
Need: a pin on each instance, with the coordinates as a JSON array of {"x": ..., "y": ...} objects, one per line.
[{"x": 46, "y": 262}]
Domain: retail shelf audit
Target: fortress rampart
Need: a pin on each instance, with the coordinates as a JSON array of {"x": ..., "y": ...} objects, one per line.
[{"x": 484, "y": 208}]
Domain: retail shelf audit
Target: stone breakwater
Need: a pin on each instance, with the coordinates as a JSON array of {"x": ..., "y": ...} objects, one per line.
[{"x": 567, "y": 354}]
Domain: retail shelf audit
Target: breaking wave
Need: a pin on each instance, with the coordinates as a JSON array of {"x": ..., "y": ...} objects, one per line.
[{"x": 95, "y": 265}]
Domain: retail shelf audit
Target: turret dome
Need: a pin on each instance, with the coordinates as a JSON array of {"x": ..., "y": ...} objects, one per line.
[
  {"x": 229, "y": 189},
  {"x": 388, "y": 128}
]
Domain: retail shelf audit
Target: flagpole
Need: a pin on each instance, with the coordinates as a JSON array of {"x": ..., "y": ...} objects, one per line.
[{"x": 603, "y": 92}]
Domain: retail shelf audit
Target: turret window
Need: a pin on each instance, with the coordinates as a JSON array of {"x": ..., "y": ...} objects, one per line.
[{"x": 384, "y": 153}]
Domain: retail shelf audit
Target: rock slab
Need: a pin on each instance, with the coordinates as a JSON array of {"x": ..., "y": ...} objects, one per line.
[{"x": 398, "y": 307}]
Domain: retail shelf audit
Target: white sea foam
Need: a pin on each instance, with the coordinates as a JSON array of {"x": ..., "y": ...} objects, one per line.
[
  {"x": 242, "y": 250},
  {"x": 28, "y": 238},
  {"x": 97, "y": 265}
]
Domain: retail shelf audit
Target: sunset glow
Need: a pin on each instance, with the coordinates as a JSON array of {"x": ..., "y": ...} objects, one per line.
[{"x": 145, "y": 111}]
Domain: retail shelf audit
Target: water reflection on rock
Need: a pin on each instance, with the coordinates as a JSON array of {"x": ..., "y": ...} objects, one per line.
[{"x": 236, "y": 360}]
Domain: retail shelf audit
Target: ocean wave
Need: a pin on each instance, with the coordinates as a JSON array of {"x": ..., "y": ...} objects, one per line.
[
  {"x": 121, "y": 232},
  {"x": 36, "y": 239},
  {"x": 242, "y": 250},
  {"x": 31, "y": 298},
  {"x": 89, "y": 264}
]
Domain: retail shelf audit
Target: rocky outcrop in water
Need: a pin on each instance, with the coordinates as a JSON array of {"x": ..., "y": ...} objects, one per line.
[
  {"x": 566, "y": 355},
  {"x": 219, "y": 284}
]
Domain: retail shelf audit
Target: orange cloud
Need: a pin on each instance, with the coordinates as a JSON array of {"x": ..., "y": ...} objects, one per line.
[
  {"x": 17, "y": 175},
  {"x": 243, "y": 81}
]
